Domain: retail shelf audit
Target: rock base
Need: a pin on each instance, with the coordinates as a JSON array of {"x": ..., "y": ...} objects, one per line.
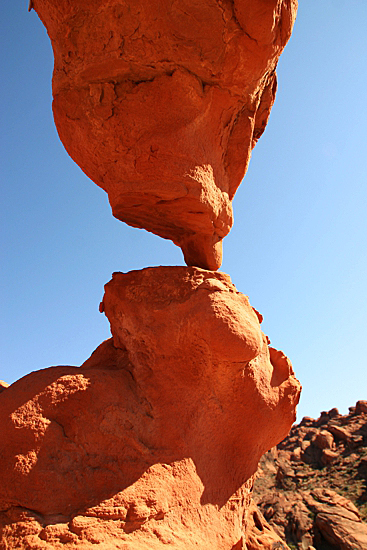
[{"x": 155, "y": 438}]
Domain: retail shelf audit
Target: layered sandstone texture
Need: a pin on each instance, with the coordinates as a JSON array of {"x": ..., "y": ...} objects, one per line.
[
  {"x": 160, "y": 104},
  {"x": 155, "y": 439}
]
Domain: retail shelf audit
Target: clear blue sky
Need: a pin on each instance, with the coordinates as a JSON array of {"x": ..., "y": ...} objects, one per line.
[{"x": 298, "y": 247}]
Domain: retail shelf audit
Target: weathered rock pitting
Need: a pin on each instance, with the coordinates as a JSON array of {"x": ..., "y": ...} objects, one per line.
[{"x": 160, "y": 104}]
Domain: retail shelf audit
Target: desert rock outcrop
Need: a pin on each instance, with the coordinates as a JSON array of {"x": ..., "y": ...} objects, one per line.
[
  {"x": 312, "y": 488},
  {"x": 155, "y": 439},
  {"x": 259, "y": 534},
  {"x": 160, "y": 104}
]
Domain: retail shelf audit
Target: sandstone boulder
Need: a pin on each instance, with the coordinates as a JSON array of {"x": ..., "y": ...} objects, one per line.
[
  {"x": 160, "y": 104},
  {"x": 337, "y": 520},
  {"x": 328, "y": 456},
  {"x": 323, "y": 440},
  {"x": 155, "y": 439},
  {"x": 289, "y": 516},
  {"x": 361, "y": 407}
]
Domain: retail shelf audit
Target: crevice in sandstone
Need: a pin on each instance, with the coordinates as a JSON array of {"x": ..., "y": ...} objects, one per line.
[
  {"x": 232, "y": 6},
  {"x": 60, "y": 426}
]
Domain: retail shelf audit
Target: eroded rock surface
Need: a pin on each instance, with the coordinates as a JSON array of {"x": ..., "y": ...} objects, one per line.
[
  {"x": 155, "y": 439},
  {"x": 160, "y": 104}
]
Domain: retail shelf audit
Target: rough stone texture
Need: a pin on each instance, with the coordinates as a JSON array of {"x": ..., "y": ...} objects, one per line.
[
  {"x": 160, "y": 104},
  {"x": 298, "y": 483},
  {"x": 155, "y": 439}
]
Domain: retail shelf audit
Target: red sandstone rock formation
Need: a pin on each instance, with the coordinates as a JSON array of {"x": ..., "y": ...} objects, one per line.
[
  {"x": 161, "y": 102},
  {"x": 155, "y": 439}
]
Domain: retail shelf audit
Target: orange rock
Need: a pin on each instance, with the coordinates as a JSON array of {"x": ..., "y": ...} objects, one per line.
[
  {"x": 361, "y": 407},
  {"x": 160, "y": 104},
  {"x": 296, "y": 455},
  {"x": 155, "y": 439},
  {"x": 259, "y": 534},
  {"x": 328, "y": 456},
  {"x": 320, "y": 517},
  {"x": 337, "y": 520},
  {"x": 340, "y": 433},
  {"x": 323, "y": 440}
]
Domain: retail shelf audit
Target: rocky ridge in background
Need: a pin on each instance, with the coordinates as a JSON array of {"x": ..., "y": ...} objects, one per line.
[{"x": 312, "y": 487}]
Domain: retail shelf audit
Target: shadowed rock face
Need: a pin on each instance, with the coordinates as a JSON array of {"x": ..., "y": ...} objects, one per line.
[
  {"x": 157, "y": 436},
  {"x": 160, "y": 104}
]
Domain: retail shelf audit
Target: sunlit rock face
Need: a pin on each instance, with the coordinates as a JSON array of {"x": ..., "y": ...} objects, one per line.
[
  {"x": 155, "y": 439},
  {"x": 160, "y": 104}
]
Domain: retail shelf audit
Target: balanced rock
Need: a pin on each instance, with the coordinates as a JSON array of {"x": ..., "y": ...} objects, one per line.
[
  {"x": 155, "y": 439},
  {"x": 160, "y": 104}
]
